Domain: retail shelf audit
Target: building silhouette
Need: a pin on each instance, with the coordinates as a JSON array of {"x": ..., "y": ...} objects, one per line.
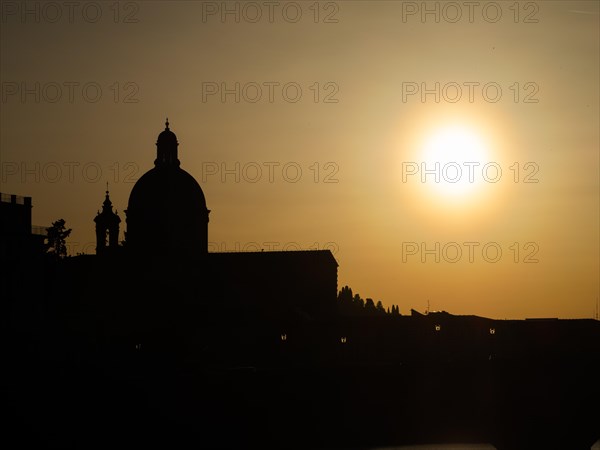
[
  {"x": 18, "y": 237},
  {"x": 162, "y": 283}
]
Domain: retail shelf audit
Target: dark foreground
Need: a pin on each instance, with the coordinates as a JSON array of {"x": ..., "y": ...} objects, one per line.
[{"x": 352, "y": 395}]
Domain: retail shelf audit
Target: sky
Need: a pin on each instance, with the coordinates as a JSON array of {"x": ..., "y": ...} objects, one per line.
[{"x": 446, "y": 152}]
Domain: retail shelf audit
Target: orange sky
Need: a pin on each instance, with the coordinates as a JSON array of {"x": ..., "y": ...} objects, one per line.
[{"x": 310, "y": 148}]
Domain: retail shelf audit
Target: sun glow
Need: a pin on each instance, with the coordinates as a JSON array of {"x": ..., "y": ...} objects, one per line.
[{"x": 455, "y": 162}]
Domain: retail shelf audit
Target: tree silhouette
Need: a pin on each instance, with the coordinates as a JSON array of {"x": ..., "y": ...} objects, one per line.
[
  {"x": 350, "y": 304},
  {"x": 56, "y": 237},
  {"x": 370, "y": 307},
  {"x": 345, "y": 300},
  {"x": 358, "y": 302}
]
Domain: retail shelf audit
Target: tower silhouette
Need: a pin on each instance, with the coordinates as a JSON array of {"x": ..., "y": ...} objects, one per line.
[{"x": 107, "y": 226}]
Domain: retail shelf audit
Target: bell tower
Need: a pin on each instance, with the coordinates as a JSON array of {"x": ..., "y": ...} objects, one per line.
[{"x": 107, "y": 227}]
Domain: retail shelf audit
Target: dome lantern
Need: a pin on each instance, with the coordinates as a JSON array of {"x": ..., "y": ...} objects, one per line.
[{"x": 166, "y": 147}]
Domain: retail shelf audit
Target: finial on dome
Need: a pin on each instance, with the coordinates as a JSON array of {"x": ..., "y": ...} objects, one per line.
[
  {"x": 167, "y": 124},
  {"x": 107, "y": 188}
]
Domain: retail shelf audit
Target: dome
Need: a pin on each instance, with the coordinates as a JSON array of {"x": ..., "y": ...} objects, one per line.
[
  {"x": 167, "y": 188},
  {"x": 167, "y": 209}
]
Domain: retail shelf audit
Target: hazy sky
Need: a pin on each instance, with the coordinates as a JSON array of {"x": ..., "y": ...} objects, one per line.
[{"x": 312, "y": 125}]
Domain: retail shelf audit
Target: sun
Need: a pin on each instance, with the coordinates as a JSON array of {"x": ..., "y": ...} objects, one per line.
[{"x": 453, "y": 161}]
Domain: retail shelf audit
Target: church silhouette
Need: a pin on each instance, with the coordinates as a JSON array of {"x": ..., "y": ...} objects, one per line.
[{"x": 164, "y": 269}]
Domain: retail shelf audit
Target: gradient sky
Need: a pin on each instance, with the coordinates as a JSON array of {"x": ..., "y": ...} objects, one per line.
[{"x": 353, "y": 135}]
